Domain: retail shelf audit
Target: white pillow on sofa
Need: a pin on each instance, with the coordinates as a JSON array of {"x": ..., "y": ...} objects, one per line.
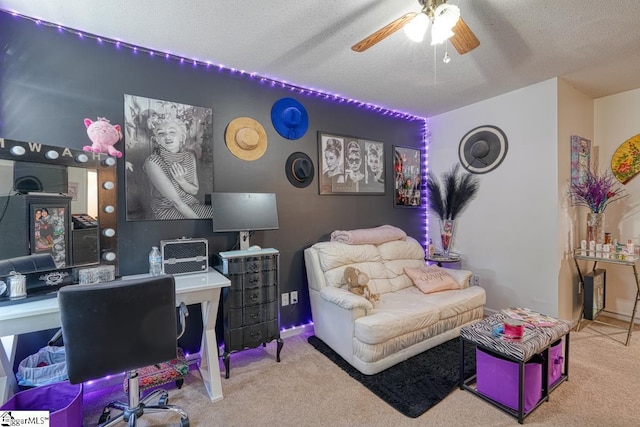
[{"x": 431, "y": 278}]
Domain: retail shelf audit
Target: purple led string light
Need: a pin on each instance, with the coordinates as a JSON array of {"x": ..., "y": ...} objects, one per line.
[
  {"x": 264, "y": 80},
  {"x": 207, "y": 64}
]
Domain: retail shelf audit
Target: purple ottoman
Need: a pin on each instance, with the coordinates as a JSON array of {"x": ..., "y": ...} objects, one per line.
[
  {"x": 497, "y": 378},
  {"x": 556, "y": 361}
]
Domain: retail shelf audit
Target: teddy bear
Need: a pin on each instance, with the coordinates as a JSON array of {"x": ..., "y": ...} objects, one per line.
[
  {"x": 357, "y": 282},
  {"x": 104, "y": 136}
]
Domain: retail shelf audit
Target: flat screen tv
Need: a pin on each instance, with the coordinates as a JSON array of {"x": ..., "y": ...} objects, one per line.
[
  {"x": 40, "y": 178},
  {"x": 244, "y": 212}
]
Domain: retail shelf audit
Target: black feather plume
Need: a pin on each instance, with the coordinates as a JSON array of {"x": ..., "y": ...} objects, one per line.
[
  {"x": 434, "y": 196},
  {"x": 459, "y": 189}
]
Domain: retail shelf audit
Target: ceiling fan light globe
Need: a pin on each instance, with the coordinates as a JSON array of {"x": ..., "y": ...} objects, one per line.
[
  {"x": 417, "y": 27},
  {"x": 445, "y": 18},
  {"x": 440, "y": 33},
  {"x": 447, "y": 14}
]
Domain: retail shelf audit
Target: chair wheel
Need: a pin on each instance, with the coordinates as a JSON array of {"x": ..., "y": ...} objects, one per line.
[
  {"x": 184, "y": 422},
  {"x": 105, "y": 416},
  {"x": 179, "y": 383}
]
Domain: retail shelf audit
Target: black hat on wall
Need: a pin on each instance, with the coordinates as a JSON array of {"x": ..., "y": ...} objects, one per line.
[
  {"x": 299, "y": 169},
  {"x": 483, "y": 149}
]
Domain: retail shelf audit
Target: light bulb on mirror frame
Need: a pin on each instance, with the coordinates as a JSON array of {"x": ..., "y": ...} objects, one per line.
[
  {"x": 82, "y": 158},
  {"x": 17, "y": 150},
  {"x": 109, "y": 256},
  {"x": 52, "y": 155}
]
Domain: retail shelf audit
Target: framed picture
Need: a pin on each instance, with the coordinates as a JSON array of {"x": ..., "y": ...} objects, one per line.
[
  {"x": 407, "y": 169},
  {"x": 580, "y": 159},
  {"x": 350, "y": 165},
  {"x": 169, "y": 159},
  {"x": 50, "y": 229}
]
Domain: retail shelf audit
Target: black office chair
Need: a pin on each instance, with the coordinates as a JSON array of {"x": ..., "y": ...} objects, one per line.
[{"x": 119, "y": 326}]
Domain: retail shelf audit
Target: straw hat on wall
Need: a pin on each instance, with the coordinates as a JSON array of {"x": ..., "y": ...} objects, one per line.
[{"x": 246, "y": 138}]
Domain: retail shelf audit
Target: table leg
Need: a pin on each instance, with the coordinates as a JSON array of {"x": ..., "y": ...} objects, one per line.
[
  {"x": 545, "y": 374},
  {"x": 581, "y": 291},
  {"x": 461, "y": 363},
  {"x": 566, "y": 356},
  {"x": 8, "y": 383},
  {"x": 520, "y": 392},
  {"x": 209, "y": 367},
  {"x": 635, "y": 306}
]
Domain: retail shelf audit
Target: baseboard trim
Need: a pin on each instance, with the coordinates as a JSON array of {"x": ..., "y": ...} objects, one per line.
[{"x": 296, "y": 330}]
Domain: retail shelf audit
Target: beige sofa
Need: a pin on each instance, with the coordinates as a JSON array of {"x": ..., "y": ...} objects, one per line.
[{"x": 404, "y": 322}]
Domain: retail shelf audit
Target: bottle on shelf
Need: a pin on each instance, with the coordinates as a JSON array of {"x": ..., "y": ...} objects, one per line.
[
  {"x": 431, "y": 249},
  {"x": 155, "y": 262}
]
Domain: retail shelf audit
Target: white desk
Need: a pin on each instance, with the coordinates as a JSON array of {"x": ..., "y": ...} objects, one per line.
[{"x": 198, "y": 288}]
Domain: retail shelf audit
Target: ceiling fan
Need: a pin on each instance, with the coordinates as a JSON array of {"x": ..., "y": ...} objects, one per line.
[{"x": 446, "y": 24}]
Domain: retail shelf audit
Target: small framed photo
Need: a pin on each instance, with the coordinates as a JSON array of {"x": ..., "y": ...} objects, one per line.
[
  {"x": 350, "y": 165},
  {"x": 73, "y": 191},
  {"x": 407, "y": 169}
]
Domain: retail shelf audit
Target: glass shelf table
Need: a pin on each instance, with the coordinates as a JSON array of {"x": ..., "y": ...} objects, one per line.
[
  {"x": 608, "y": 258},
  {"x": 440, "y": 258}
]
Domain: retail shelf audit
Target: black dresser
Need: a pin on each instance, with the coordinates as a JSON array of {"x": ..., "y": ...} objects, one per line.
[{"x": 250, "y": 312}]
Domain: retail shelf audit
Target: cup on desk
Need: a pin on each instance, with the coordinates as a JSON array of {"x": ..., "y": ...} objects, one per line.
[{"x": 17, "y": 285}]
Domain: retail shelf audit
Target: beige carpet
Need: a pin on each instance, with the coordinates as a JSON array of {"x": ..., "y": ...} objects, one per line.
[{"x": 307, "y": 389}]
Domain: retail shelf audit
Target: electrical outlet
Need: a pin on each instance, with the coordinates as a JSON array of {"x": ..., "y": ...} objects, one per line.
[
  {"x": 475, "y": 280},
  {"x": 285, "y": 299},
  {"x": 294, "y": 297}
]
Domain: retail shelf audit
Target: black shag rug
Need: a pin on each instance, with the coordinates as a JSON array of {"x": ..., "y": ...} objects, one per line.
[{"x": 414, "y": 386}]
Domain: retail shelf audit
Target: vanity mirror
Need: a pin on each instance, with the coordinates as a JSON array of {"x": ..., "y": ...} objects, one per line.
[{"x": 79, "y": 186}]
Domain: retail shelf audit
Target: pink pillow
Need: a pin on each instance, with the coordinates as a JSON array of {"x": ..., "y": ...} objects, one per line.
[{"x": 431, "y": 278}]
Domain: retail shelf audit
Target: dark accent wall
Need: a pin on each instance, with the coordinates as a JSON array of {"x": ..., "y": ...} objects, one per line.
[{"x": 51, "y": 80}]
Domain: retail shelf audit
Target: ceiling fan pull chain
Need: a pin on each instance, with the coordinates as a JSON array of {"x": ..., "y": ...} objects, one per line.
[
  {"x": 446, "y": 58},
  {"x": 435, "y": 64}
]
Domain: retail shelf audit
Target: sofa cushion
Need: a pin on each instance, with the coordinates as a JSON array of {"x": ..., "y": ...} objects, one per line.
[
  {"x": 453, "y": 303},
  {"x": 384, "y": 264},
  {"x": 336, "y": 254},
  {"x": 395, "y": 315},
  {"x": 430, "y": 278},
  {"x": 408, "y": 310}
]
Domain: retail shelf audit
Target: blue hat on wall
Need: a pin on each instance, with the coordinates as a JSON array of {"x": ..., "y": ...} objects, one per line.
[{"x": 289, "y": 118}]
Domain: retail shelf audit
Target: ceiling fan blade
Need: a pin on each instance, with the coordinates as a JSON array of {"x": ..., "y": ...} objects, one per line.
[
  {"x": 463, "y": 39},
  {"x": 383, "y": 32}
]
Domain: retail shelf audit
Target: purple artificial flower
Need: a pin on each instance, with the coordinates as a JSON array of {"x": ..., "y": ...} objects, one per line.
[{"x": 596, "y": 192}]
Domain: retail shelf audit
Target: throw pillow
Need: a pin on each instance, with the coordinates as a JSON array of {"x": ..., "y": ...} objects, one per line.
[{"x": 431, "y": 278}]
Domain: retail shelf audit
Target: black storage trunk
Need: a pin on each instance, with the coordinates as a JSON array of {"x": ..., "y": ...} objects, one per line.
[{"x": 182, "y": 256}]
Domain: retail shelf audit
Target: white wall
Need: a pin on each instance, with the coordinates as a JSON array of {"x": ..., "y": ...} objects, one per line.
[
  {"x": 616, "y": 119},
  {"x": 575, "y": 117},
  {"x": 509, "y": 233},
  {"x": 518, "y": 234}
]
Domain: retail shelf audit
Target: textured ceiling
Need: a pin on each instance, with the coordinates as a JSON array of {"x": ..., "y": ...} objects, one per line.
[{"x": 594, "y": 44}]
